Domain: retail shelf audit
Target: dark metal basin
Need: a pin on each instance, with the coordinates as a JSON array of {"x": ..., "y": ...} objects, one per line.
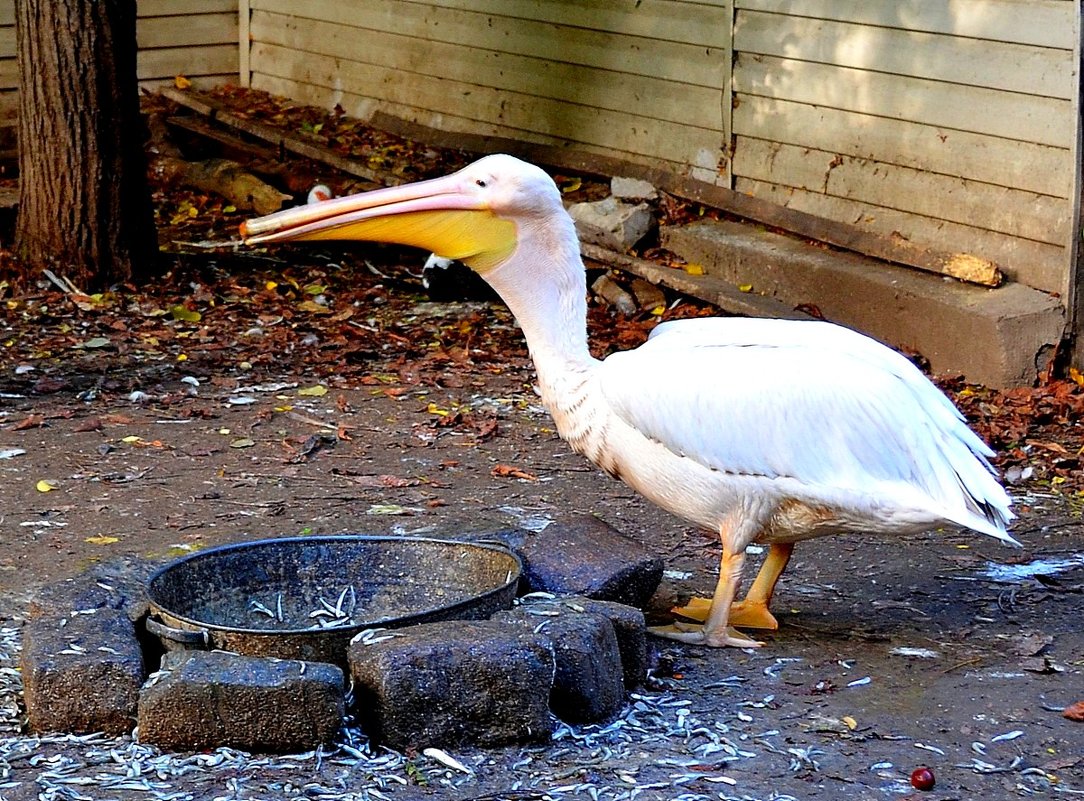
[{"x": 306, "y": 597}]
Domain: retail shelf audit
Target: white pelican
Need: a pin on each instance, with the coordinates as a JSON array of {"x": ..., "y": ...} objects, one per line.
[{"x": 764, "y": 431}]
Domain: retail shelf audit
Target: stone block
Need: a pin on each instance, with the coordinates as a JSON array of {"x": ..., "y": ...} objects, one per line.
[
  {"x": 82, "y": 671},
  {"x": 633, "y": 189},
  {"x": 120, "y": 584},
  {"x": 630, "y": 629},
  {"x": 445, "y": 684},
  {"x": 588, "y": 685},
  {"x": 582, "y": 555},
  {"x": 207, "y": 699},
  {"x": 611, "y": 223},
  {"x": 998, "y": 337}
]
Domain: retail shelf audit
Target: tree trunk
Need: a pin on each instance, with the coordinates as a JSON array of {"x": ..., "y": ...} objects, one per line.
[{"x": 84, "y": 202}]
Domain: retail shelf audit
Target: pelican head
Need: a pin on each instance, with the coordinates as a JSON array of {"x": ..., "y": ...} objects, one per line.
[{"x": 476, "y": 215}]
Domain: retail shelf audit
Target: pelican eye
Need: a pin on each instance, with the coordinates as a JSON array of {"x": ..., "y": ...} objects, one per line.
[{"x": 480, "y": 182}]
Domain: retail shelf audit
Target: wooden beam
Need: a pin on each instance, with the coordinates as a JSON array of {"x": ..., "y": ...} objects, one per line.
[
  {"x": 285, "y": 142},
  {"x": 963, "y": 266},
  {"x": 705, "y": 287}
]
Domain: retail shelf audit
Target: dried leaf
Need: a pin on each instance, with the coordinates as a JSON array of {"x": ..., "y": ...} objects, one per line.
[
  {"x": 181, "y": 82},
  {"x": 508, "y": 471},
  {"x": 243, "y": 442},
  {"x": 101, "y": 539},
  {"x": 1075, "y": 712},
  {"x": 46, "y": 485},
  {"x": 317, "y": 391},
  {"x": 185, "y": 314}
]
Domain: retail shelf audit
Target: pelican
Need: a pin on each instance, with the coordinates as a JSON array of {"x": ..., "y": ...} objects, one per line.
[{"x": 763, "y": 431}]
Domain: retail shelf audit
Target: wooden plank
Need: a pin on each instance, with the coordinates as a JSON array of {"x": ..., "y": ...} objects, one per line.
[
  {"x": 698, "y": 23},
  {"x": 623, "y": 131},
  {"x": 198, "y": 29},
  {"x": 7, "y": 42},
  {"x": 185, "y": 8},
  {"x": 996, "y": 65},
  {"x": 1038, "y": 265},
  {"x": 244, "y": 42},
  {"x": 1005, "y": 162},
  {"x": 219, "y": 112},
  {"x": 679, "y": 62},
  {"x": 1027, "y": 118},
  {"x": 166, "y": 62},
  {"x": 995, "y": 208},
  {"x": 449, "y": 130},
  {"x": 709, "y": 288},
  {"x": 650, "y": 97},
  {"x": 9, "y": 73},
  {"x": 1046, "y": 23}
]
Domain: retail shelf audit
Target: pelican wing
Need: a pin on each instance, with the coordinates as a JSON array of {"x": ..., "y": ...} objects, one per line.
[{"x": 810, "y": 401}]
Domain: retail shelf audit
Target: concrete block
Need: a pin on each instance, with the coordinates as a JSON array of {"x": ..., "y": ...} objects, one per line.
[
  {"x": 998, "y": 337},
  {"x": 582, "y": 555},
  {"x": 588, "y": 686},
  {"x": 82, "y": 672},
  {"x": 445, "y": 684},
  {"x": 207, "y": 699},
  {"x": 119, "y": 584},
  {"x": 632, "y": 189},
  {"x": 612, "y": 224}
]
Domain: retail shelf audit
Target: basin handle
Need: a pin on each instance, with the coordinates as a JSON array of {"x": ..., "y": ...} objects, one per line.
[{"x": 201, "y": 638}]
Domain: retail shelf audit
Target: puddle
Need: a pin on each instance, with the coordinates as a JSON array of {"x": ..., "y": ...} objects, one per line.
[{"x": 1038, "y": 567}]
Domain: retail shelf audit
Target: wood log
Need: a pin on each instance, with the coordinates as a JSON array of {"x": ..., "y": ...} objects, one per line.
[{"x": 223, "y": 177}]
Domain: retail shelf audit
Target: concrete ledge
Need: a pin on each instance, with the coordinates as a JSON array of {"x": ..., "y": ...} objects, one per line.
[{"x": 997, "y": 337}]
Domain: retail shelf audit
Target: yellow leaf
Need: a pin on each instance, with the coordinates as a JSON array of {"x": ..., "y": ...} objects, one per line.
[
  {"x": 317, "y": 391},
  {"x": 745, "y": 287},
  {"x": 852, "y": 724},
  {"x": 45, "y": 485},
  {"x": 185, "y": 314},
  {"x": 101, "y": 539},
  {"x": 229, "y": 209},
  {"x": 1077, "y": 376},
  {"x": 181, "y": 82},
  {"x": 432, "y": 408},
  {"x": 270, "y": 285},
  {"x": 132, "y": 439},
  {"x": 694, "y": 269},
  {"x": 572, "y": 185},
  {"x": 182, "y": 357}
]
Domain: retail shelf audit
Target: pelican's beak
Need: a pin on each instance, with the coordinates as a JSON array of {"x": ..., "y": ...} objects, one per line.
[{"x": 444, "y": 215}]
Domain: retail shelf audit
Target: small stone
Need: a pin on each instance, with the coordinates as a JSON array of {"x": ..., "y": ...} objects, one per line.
[
  {"x": 632, "y": 189},
  {"x": 610, "y": 291},
  {"x": 82, "y": 672},
  {"x": 460, "y": 683},
  {"x": 588, "y": 686},
  {"x": 582, "y": 555},
  {"x": 647, "y": 295},
  {"x": 208, "y": 699},
  {"x": 612, "y": 224}
]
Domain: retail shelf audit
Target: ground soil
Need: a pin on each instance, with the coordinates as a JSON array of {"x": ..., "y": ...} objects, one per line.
[{"x": 891, "y": 653}]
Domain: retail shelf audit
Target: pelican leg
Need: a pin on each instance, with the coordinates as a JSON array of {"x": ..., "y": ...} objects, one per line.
[
  {"x": 752, "y": 612},
  {"x": 715, "y": 630}
]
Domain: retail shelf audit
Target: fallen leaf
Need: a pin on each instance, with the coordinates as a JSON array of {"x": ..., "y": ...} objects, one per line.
[
  {"x": 317, "y": 391},
  {"x": 508, "y": 471},
  {"x": 10, "y": 453},
  {"x": 45, "y": 485},
  {"x": 392, "y": 482},
  {"x": 243, "y": 442},
  {"x": 185, "y": 314},
  {"x": 1075, "y": 712},
  {"x": 102, "y": 539},
  {"x": 181, "y": 82},
  {"x": 31, "y": 421}
]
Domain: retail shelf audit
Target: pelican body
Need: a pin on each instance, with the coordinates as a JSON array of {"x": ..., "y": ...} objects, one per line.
[{"x": 764, "y": 431}]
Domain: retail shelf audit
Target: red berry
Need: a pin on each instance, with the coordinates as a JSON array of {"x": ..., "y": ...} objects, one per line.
[{"x": 922, "y": 779}]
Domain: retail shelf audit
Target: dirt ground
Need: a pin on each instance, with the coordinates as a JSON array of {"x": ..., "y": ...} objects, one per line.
[{"x": 890, "y": 655}]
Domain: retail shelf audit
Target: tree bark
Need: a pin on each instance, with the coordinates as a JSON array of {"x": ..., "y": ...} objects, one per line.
[{"x": 84, "y": 201}]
